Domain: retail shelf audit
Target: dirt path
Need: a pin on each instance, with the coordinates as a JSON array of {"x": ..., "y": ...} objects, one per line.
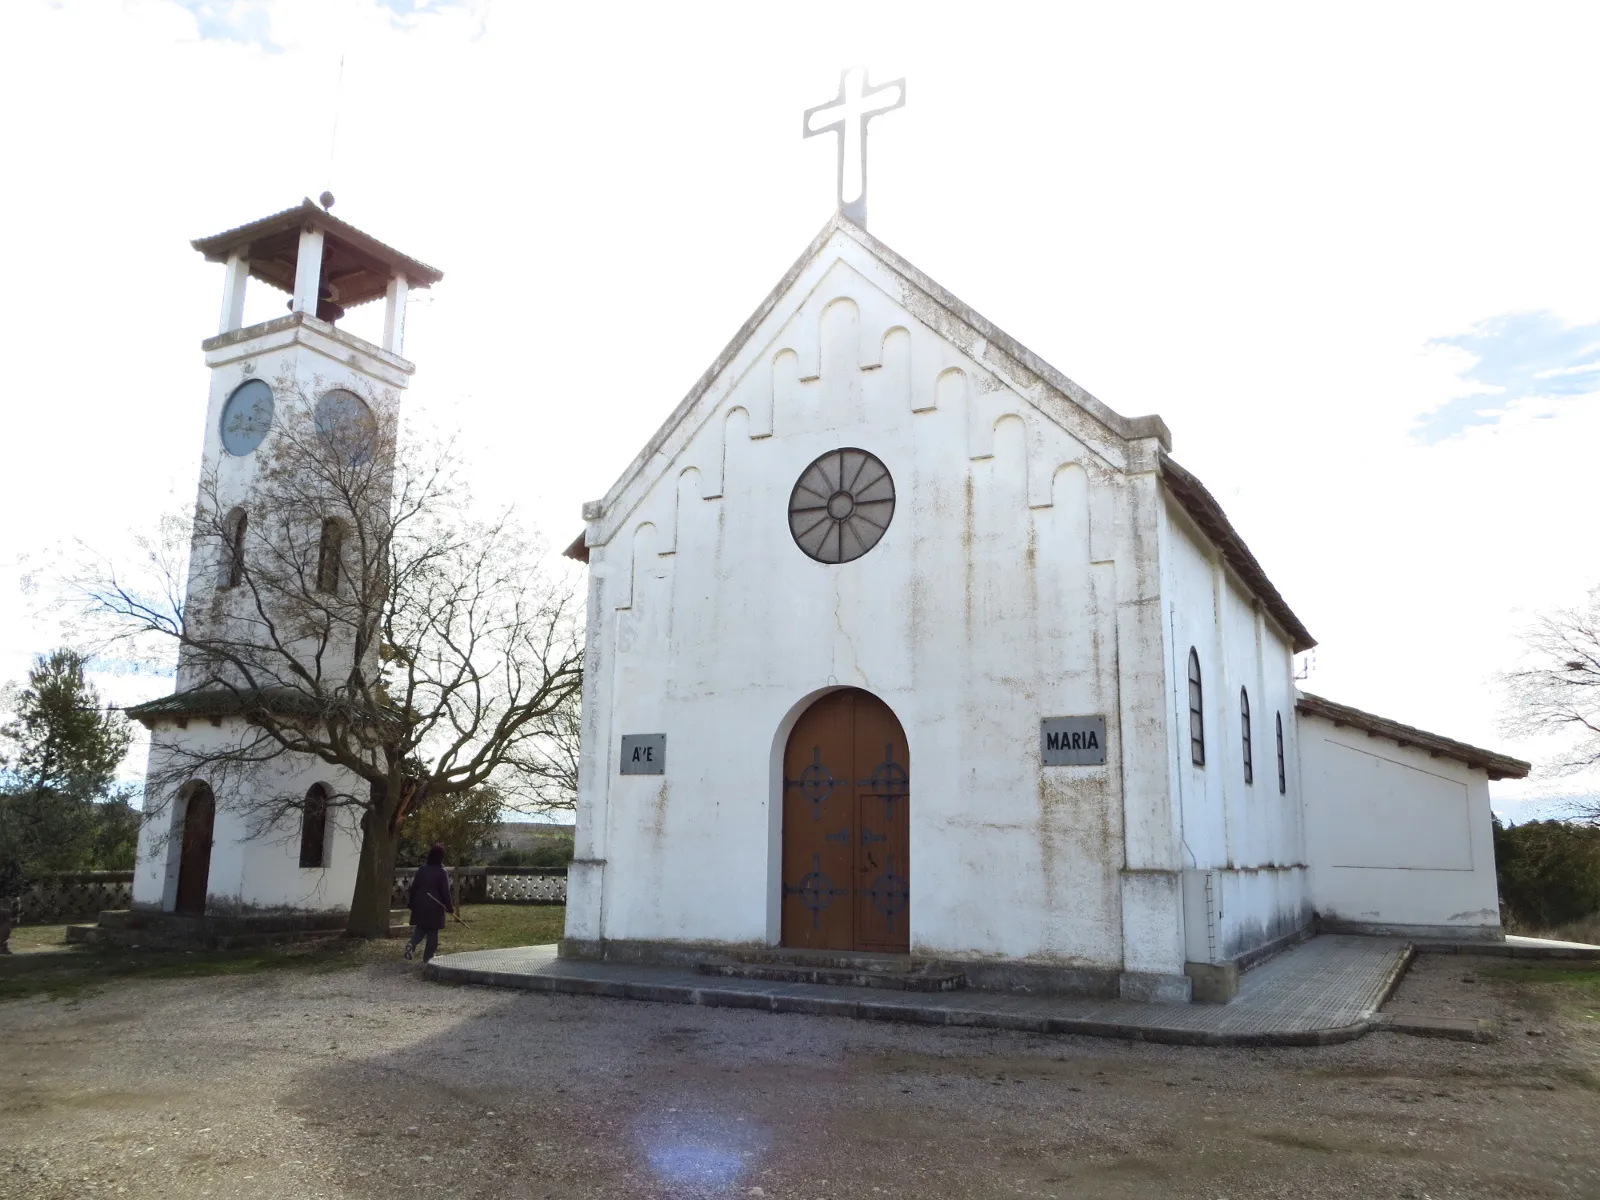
[{"x": 371, "y": 1083}]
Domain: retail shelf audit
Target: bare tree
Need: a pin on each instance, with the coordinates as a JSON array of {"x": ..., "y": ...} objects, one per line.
[
  {"x": 556, "y": 789},
  {"x": 347, "y": 602},
  {"x": 1558, "y": 691},
  {"x": 459, "y": 821}
]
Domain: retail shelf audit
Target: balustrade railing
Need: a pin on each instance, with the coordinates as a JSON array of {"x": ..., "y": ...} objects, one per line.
[
  {"x": 72, "y": 896},
  {"x": 495, "y": 885}
]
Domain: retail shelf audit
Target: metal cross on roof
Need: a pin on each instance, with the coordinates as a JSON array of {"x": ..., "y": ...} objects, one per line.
[{"x": 857, "y": 103}]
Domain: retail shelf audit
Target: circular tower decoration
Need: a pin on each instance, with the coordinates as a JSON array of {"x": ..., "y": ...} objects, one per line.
[
  {"x": 345, "y": 420},
  {"x": 246, "y": 417},
  {"x": 342, "y": 413},
  {"x": 841, "y": 505}
]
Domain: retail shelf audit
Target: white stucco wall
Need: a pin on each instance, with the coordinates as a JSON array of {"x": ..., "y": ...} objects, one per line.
[
  {"x": 1399, "y": 840},
  {"x": 1018, "y": 572},
  {"x": 1243, "y": 844},
  {"x": 254, "y": 868},
  {"x": 301, "y": 359}
]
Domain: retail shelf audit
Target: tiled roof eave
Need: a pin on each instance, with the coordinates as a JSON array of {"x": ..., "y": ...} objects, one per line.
[
  {"x": 1202, "y": 507},
  {"x": 1497, "y": 766},
  {"x": 223, "y": 702},
  {"x": 216, "y": 247}
]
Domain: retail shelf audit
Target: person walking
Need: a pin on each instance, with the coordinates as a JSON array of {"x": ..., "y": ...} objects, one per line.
[
  {"x": 10, "y": 901},
  {"x": 430, "y": 903}
]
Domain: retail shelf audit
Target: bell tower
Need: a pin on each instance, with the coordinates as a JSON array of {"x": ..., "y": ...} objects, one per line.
[
  {"x": 204, "y": 848},
  {"x": 261, "y": 373}
]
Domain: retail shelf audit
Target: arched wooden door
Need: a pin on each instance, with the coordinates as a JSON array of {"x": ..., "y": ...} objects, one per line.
[
  {"x": 194, "y": 865},
  {"x": 846, "y": 828}
]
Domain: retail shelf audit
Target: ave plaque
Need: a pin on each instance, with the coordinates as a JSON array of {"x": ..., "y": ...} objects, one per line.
[
  {"x": 1073, "y": 741},
  {"x": 644, "y": 754}
]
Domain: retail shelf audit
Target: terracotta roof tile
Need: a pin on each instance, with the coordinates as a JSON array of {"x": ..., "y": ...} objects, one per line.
[
  {"x": 1202, "y": 506},
  {"x": 1498, "y": 766}
]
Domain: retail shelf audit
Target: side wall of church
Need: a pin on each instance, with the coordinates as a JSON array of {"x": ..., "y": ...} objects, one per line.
[
  {"x": 991, "y": 602},
  {"x": 1401, "y": 842},
  {"x": 1245, "y": 878},
  {"x": 253, "y": 869}
]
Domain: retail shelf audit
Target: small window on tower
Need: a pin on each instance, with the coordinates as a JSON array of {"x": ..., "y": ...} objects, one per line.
[
  {"x": 1244, "y": 725},
  {"x": 1197, "y": 720},
  {"x": 233, "y": 533},
  {"x": 330, "y": 556},
  {"x": 314, "y": 827},
  {"x": 1283, "y": 776}
]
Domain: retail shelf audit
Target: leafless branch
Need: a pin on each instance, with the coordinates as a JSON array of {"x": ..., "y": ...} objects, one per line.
[
  {"x": 1557, "y": 690},
  {"x": 444, "y": 654}
]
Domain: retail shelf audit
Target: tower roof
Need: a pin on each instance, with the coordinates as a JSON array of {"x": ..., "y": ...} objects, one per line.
[{"x": 356, "y": 266}]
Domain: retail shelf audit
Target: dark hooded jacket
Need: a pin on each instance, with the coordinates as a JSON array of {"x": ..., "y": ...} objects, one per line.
[
  {"x": 10, "y": 879},
  {"x": 430, "y": 897}
]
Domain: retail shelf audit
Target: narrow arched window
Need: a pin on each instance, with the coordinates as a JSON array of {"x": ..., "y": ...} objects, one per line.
[
  {"x": 1197, "y": 720},
  {"x": 1244, "y": 725},
  {"x": 314, "y": 827},
  {"x": 330, "y": 556},
  {"x": 233, "y": 530},
  {"x": 1283, "y": 776}
]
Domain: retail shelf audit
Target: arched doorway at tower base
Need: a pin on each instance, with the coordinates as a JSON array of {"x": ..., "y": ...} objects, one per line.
[{"x": 194, "y": 863}]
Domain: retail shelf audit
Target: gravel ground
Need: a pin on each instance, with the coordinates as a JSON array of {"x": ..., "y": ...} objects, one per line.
[{"x": 369, "y": 1082}]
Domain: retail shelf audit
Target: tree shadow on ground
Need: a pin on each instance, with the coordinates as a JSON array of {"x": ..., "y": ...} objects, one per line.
[{"x": 527, "y": 1095}]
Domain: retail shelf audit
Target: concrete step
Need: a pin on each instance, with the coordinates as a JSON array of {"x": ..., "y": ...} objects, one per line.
[
  {"x": 896, "y": 977},
  {"x": 844, "y": 960}
]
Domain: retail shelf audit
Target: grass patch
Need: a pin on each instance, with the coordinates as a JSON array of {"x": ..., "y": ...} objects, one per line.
[
  {"x": 25, "y": 938},
  {"x": 1560, "y": 989},
  {"x": 47, "y": 966},
  {"x": 496, "y": 926},
  {"x": 1579, "y": 975},
  {"x": 76, "y": 970}
]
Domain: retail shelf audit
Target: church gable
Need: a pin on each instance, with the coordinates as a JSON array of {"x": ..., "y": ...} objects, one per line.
[
  {"x": 986, "y": 599},
  {"x": 853, "y": 326}
]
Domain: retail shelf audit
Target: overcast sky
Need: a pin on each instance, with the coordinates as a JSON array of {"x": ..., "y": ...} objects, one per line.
[{"x": 1348, "y": 252}]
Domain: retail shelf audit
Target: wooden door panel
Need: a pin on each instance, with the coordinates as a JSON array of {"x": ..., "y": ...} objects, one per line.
[
  {"x": 883, "y": 845},
  {"x": 846, "y": 828},
  {"x": 194, "y": 863},
  {"x": 818, "y": 828}
]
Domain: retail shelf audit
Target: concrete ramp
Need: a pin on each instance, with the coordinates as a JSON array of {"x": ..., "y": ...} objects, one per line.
[{"x": 1326, "y": 990}]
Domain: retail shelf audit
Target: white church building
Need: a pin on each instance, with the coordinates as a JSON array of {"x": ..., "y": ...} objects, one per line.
[{"x": 900, "y": 642}]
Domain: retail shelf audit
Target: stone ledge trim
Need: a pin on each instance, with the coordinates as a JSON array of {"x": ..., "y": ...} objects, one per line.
[
  {"x": 1461, "y": 1029},
  {"x": 983, "y": 975}
]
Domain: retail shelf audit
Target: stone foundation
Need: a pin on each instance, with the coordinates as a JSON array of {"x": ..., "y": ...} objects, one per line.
[{"x": 1042, "y": 979}]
